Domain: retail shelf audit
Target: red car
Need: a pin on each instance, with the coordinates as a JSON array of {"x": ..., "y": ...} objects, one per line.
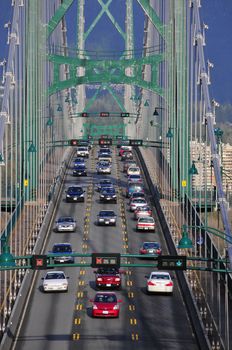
[
  {"x": 124, "y": 149},
  {"x": 108, "y": 278},
  {"x": 105, "y": 305}
]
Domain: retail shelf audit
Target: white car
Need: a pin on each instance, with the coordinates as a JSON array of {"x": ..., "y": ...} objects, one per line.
[
  {"x": 66, "y": 224},
  {"x": 55, "y": 281},
  {"x": 137, "y": 202},
  {"x": 133, "y": 170},
  {"x": 83, "y": 152},
  {"x": 159, "y": 282}
]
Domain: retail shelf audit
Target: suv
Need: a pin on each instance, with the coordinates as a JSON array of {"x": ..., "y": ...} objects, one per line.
[
  {"x": 62, "y": 248},
  {"x": 108, "y": 277},
  {"x": 79, "y": 170},
  {"x": 83, "y": 151},
  {"x": 108, "y": 194},
  {"x": 75, "y": 194},
  {"x": 106, "y": 217}
]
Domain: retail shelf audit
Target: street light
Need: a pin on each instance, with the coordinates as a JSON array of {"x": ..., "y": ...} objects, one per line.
[
  {"x": 193, "y": 170},
  {"x": 186, "y": 242},
  {"x": 6, "y": 258},
  {"x": 169, "y": 133}
]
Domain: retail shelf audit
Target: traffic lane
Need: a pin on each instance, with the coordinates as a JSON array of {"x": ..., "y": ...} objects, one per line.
[
  {"x": 49, "y": 317},
  {"x": 102, "y": 333},
  {"x": 47, "y": 322},
  {"x": 168, "y": 330}
]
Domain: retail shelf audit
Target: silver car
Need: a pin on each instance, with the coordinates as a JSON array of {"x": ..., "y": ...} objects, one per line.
[
  {"x": 65, "y": 224},
  {"x": 106, "y": 217},
  {"x": 55, "y": 281}
]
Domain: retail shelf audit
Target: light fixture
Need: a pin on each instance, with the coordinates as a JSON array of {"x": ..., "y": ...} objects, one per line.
[
  {"x": 155, "y": 112},
  {"x": 169, "y": 133},
  {"x": 6, "y": 258},
  {"x": 49, "y": 122},
  {"x": 185, "y": 242},
  {"x": 193, "y": 170},
  {"x": 32, "y": 148}
]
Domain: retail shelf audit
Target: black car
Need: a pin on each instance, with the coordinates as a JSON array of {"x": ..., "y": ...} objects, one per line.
[
  {"x": 108, "y": 194},
  {"x": 62, "y": 248},
  {"x": 106, "y": 217},
  {"x": 79, "y": 170},
  {"x": 75, "y": 194},
  {"x": 104, "y": 183}
]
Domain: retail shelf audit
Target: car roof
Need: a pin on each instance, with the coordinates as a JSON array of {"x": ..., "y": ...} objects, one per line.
[
  {"x": 55, "y": 271},
  {"x": 160, "y": 273}
]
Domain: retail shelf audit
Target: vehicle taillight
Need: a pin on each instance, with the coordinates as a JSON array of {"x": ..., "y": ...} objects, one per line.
[
  {"x": 169, "y": 284},
  {"x": 99, "y": 279},
  {"x": 94, "y": 306},
  {"x": 117, "y": 279},
  {"x": 116, "y": 307},
  {"x": 150, "y": 283},
  {"x": 143, "y": 251},
  {"x": 158, "y": 251}
]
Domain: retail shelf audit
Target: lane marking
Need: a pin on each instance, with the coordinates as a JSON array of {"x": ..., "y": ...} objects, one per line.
[
  {"x": 131, "y": 307},
  {"x": 133, "y": 321},
  {"x": 134, "y": 336},
  {"x": 79, "y": 306},
  {"x": 77, "y": 321},
  {"x": 76, "y": 336},
  {"x": 80, "y": 294}
]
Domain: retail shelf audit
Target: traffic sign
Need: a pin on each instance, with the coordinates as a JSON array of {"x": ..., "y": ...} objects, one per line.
[
  {"x": 125, "y": 115},
  {"x": 39, "y": 262},
  {"x": 172, "y": 262},
  {"x": 136, "y": 142},
  {"x": 104, "y": 114},
  {"x": 105, "y": 260}
]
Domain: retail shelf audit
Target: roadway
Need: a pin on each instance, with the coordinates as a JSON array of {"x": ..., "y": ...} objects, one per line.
[{"x": 63, "y": 320}]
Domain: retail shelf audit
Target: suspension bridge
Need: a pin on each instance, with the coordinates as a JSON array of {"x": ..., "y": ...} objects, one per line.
[{"x": 134, "y": 70}]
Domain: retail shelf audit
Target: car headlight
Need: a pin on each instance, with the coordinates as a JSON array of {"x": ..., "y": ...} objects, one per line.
[{"x": 68, "y": 195}]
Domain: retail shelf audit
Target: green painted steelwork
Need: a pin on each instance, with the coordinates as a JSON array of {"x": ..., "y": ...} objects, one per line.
[
  {"x": 110, "y": 71},
  {"x": 154, "y": 18},
  {"x": 95, "y": 130},
  {"x": 59, "y": 14},
  {"x": 104, "y": 10}
]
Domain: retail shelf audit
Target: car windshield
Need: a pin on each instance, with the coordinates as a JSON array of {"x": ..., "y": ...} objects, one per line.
[
  {"x": 108, "y": 190},
  {"x": 134, "y": 177},
  {"x": 151, "y": 245},
  {"x": 106, "y": 213},
  {"x": 82, "y": 149},
  {"x": 54, "y": 276},
  {"x": 105, "y": 182},
  {"x": 137, "y": 194},
  {"x": 144, "y": 209},
  {"x": 160, "y": 277},
  {"x": 109, "y": 271},
  {"x": 65, "y": 220},
  {"x": 105, "y": 298},
  {"x": 139, "y": 200},
  {"x": 148, "y": 220},
  {"x": 62, "y": 249},
  {"x": 75, "y": 190}
]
